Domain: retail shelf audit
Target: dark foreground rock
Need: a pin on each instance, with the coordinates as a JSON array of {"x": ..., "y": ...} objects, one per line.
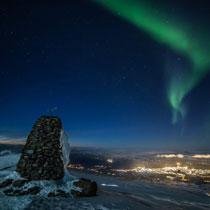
[
  {"x": 18, "y": 192},
  {"x": 14, "y": 183},
  {"x": 41, "y": 158},
  {"x": 6, "y": 183},
  {"x": 19, "y": 182},
  {"x": 84, "y": 187}
]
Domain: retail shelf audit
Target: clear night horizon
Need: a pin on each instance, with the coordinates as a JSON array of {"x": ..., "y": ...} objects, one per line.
[{"x": 122, "y": 73}]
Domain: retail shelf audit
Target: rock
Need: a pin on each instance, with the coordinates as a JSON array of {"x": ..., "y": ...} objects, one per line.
[
  {"x": 6, "y": 183},
  {"x": 8, "y": 191},
  {"x": 19, "y": 192},
  {"x": 41, "y": 158},
  {"x": 84, "y": 187},
  {"x": 33, "y": 190},
  {"x": 19, "y": 183}
]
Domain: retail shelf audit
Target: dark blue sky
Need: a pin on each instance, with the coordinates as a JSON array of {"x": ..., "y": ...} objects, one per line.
[{"x": 101, "y": 75}]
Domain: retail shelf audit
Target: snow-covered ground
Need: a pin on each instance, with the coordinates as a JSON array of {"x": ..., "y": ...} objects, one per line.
[{"x": 113, "y": 193}]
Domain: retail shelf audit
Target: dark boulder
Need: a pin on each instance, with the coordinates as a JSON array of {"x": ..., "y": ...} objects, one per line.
[
  {"x": 33, "y": 190},
  {"x": 41, "y": 158},
  {"x": 6, "y": 183},
  {"x": 84, "y": 187},
  {"x": 19, "y": 182},
  {"x": 19, "y": 192}
]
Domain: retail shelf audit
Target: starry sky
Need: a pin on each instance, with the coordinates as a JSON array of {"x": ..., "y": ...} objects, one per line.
[{"x": 111, "y": 79}]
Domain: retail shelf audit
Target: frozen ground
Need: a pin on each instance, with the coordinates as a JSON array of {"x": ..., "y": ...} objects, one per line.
[{"x": 113, "y": 193}]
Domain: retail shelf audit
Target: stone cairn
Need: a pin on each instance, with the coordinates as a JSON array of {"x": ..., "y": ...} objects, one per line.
[{"x": 41, "y": 158}]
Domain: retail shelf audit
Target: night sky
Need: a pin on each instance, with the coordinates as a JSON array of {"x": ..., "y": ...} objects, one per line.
[{"x": 113, "y": 80}]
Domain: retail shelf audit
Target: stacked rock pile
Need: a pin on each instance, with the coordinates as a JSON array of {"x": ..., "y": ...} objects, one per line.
[{"x": 41, "y": 158}]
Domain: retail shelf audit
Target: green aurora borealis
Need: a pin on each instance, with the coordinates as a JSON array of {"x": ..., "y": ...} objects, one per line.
[{"x": 184, "y": 40}]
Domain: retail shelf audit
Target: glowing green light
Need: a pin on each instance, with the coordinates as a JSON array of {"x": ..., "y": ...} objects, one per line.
[{"x": 177, "y": 37}]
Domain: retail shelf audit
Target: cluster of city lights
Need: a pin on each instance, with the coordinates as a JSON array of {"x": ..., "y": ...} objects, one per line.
[
  {"x": 178, "y": 170},
  {"x": 200, "y": 156},
  {"x": 171, "y": 156}
]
